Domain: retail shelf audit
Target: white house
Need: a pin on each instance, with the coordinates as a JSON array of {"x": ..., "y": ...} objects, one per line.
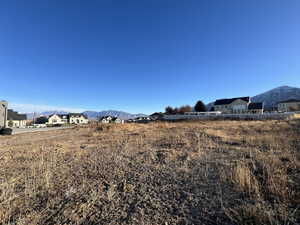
[
  {"x": 106, "y": 119},
  {"x": 238, "y": 106},
  {"x": 117, "y": 120},
  {"x": 72, "y": 118},
  {"x": 110, "y": 119},
  {"x": 232, "y": 105},
  {"x": 58, "y": 119},
  {"x": 77, "y": 118}
]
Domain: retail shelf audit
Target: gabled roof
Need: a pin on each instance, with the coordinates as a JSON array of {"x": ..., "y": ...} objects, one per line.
[
  {"x": 253, "y": 105},
  {"x": 226, "y": 101},
  {"x": 12, "y": 115},
  {"x": 77, "y": 115},
  {"x": 67, "y": 116},
  {"x": 60, "y": 116},
  {"x": 113, "y": 118},
  {"x": 290, "y": 100},
  {"x": 156, "y": 114}
]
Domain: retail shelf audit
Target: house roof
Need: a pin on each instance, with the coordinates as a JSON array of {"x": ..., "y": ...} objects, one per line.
[
  {"x": 60, "y": 115},
  {"x": 69, "y": 115},
  {"x": 290, "y": 100},
  {"x": 77, "y": 115},
  {"x": 256, "y": 105},
  {"x": 157, "y": 114},
  {"x": 12, "y": 115},
  {"x": 226, "y": 101},
  {"x": 41, "y": 120},
  {"x": 115, "y": 118}
]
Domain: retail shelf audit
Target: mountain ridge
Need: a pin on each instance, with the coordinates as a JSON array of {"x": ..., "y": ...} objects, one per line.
[
  {"x": 270, "y": 99},
  {"x": 90, "y": 114},
  {"x": 115, "y": 113}
]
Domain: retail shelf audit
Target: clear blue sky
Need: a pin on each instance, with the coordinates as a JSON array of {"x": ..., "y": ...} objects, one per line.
[{"x": 141, "y": 55}]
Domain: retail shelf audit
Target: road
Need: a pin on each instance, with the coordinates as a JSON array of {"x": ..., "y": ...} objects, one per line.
[{"x": 30, "y": 130}]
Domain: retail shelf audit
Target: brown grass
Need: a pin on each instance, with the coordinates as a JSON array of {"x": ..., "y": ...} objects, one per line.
[{"x": 213, "y": 172}]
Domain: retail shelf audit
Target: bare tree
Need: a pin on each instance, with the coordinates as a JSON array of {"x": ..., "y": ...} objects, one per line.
[{"x": 184, "y": 109}]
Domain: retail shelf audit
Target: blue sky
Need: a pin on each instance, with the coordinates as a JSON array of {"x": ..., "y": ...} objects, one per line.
[{"x": 142, "y": 55}]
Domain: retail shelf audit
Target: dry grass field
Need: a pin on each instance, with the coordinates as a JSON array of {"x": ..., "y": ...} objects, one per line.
[{"x": 213, "y": 172}]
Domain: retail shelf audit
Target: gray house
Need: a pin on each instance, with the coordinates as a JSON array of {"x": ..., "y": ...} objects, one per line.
[{"x": 14, "y": 119}]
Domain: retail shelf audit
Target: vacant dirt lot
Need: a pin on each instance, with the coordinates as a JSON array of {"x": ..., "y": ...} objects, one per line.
[{"x": 222, "y": 172}]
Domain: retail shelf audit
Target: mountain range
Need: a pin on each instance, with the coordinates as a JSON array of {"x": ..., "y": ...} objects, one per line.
[
  {"x": 269, "y": 98},
  {"x": 272, "y": 97},
  {"x": 31, "y": 115},
  {"x": 119, "y": 114},
  {"x": 91, "y": 114}
]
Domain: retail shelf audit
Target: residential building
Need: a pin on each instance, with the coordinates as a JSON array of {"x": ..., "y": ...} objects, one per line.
[
  {"x": 14, "y": 119},
  {"x": 117, "y": 120},
  {"x": 157, "y": 116},
  {"x": 257, "y": 108},
  {"x": 41, "y": 120},
  {"x": 289, "y": 105},
  {"x": 58, "y": 119},
  {"x": 110, "y": 119},
  {"x": 78, "y": 118},
  {"x": 144, "y": 118},
  {"x": 232, "y": 105},
  {"x": 71, "y": 118},
  {"x": 238, "y": 106},
  {"x": 106, "y": 119}
]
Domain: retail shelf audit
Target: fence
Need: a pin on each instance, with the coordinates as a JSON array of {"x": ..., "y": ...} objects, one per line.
[{"x": 265, "y": 116}]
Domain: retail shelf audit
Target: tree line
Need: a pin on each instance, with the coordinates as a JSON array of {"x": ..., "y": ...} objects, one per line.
[{"x": 199, "y": 107}]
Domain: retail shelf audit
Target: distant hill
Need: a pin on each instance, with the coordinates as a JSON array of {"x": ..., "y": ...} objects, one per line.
[
  {"x": 90, "y": 114},
  {"x": 47, "y": 113},
  {"x": 272, "y": 97},
  {"x": 119, "y": 114}
]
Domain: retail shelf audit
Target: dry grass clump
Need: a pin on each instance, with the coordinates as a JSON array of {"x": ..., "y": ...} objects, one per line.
[
  {"x": 268, "y": 180},
  {"x": 212, "y": 172}
]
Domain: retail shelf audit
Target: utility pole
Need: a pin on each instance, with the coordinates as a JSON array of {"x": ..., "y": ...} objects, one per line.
[{"x": 33, "y": 119}]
